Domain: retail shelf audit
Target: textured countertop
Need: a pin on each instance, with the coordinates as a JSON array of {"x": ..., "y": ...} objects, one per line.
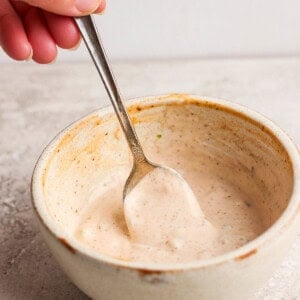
[{"x": 38, "y": 101}]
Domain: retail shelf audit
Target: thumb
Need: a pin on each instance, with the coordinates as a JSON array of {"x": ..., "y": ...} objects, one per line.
[{"x": 68, "y": 7}]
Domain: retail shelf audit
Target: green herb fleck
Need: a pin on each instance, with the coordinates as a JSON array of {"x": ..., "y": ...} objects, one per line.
[{"x": 158, "y": 136}]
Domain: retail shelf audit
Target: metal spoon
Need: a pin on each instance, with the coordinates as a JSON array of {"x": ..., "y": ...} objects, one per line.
[{"x": 141, "y": 165}]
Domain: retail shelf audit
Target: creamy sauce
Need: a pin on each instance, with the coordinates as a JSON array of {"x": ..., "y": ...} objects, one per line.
[
  {"x": 85, "y": 180},
  {"x": 163, "y": 202},
  {"x": 230, "y": 221}
]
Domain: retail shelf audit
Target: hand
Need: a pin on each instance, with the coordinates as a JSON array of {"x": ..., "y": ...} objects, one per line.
[{"x": 34, "y": 28}]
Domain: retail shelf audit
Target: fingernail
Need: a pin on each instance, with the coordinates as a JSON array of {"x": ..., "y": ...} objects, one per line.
[
  {"x": 101, "y": 12},
  {"x": 101, "y": 8},
  {"x": 30, "y": 55},
  {"x": 87, "y": 6}
]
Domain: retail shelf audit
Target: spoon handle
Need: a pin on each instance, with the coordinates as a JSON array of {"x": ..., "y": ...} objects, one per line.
[{"x": 93, "y": 43}]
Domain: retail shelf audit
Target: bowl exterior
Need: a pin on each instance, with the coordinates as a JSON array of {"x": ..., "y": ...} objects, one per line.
[{"x": 236, "y": 279}]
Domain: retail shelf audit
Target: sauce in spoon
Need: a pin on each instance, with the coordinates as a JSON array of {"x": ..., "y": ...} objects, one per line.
[{"x": 163, "y": 203}]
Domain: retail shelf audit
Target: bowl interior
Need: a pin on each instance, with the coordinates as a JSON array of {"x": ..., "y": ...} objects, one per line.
[{"x": 204, "y": 141}]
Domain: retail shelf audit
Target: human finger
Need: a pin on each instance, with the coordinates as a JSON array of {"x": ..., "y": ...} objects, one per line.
[
  {"x": 67, "y": 7},
  {"x": 63, "y": 30},
  {"x": 43, "y": 44},
  {"x": 13, "y": 38}
]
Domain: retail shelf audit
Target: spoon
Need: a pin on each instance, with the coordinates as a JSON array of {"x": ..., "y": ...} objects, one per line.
[{"x": 142, "y": 166}]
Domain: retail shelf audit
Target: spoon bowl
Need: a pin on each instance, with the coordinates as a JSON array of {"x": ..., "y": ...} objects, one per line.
[{"x": 138, "y": 171}]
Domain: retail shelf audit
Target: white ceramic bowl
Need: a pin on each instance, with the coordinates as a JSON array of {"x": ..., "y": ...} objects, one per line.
[{"x": 234, "y": 275}]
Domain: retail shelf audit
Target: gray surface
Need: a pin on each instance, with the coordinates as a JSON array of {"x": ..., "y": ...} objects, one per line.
[{"x": 37, "y": 101}]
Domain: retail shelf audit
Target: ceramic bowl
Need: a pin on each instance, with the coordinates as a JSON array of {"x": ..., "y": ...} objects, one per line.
[{"x": 253, "y": 148}]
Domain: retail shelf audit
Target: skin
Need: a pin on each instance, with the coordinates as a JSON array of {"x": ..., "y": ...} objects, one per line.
[{"x": 35, "y": 28}]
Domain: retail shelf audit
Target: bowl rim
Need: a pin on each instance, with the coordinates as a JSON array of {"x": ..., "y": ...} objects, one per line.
[{"x": 249, "y": 249}]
